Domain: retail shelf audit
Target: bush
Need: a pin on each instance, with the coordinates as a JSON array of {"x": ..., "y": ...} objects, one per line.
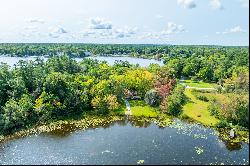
[
  {"x": 236, "y": 110},
  {"x": 214, "y": 110},
  {"x": 202, "y": 97},
  {"x": 219, "y": 89},
  {"x": 152, "y": 98},
  {"x": 172, "y": 105},
  {"x": 198, "y": 96},
  {"x": 222, "y": 124},
  {"x": 105, "y": 104}
]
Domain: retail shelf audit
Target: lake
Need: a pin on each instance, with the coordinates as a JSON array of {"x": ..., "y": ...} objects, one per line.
[
  {"x": 111, "y": 60},
  {"x": 125, "y": 142}
]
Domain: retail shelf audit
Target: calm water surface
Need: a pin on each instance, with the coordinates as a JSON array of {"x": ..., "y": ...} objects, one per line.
[
  {"x": 125, "y": 142},
  {"x": 111, "y": 60}
]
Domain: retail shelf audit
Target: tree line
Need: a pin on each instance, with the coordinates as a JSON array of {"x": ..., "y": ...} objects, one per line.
[{"x": 207, "y": 63}]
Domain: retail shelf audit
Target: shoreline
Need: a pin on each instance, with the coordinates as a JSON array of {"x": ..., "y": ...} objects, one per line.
[{"x": 93, "y": 121}]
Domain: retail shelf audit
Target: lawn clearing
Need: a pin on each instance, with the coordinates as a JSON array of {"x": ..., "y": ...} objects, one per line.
[
  {"x": 140, "y": 108},
  {"x": 199, "y": 84},
  {"x": 197, "y": 110}
]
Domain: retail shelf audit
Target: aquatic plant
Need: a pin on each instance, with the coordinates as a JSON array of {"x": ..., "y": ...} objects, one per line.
[
  {"x": 199, "y": 150},
  {"x": 140, "y": 161}
]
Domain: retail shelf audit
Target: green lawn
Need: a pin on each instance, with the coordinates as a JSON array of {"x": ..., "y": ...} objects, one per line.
[
  {"x": 197, "y": 110},
  {"x": 140, "y": 108},
  {"x": 199, "y": 84}
]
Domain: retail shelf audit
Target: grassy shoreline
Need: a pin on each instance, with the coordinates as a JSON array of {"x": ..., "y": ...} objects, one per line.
[
  {"x": 93, "y": 121},
  {"x": 83, "y": 123}
]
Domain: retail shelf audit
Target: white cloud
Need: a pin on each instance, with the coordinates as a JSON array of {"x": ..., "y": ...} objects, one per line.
[
  {"x": 236, "y": 29},
  {"x": 99, "y": 23},
  {"x": 186, "y": 3},
  {"x": 244, "y": 3},
  {"x": 60, "y": 30},
  {"x": 110, "y": 33},
  {"x": 216, "y": 4},
  {"x": 173, "y": 28},
  {"x": 155, "y": 35},
  {"x": 57, "y": 32},
  {"x": 88, "y": 32},
  {"x": 125, "y": 32},
  {"x": 35, "y": 20},
  {"x": 150, "y": 35}
]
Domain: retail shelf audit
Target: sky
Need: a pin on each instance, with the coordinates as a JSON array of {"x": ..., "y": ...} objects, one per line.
[{"x": 183, "y": 22}]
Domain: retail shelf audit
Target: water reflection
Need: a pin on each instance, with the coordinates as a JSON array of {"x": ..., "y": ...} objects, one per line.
[
  {"x": 233, "y": 145},
  {"x": 124, "y": 142}
]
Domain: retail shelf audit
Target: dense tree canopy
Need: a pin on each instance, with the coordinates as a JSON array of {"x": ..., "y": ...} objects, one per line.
[{"x": 38, "y": 91}]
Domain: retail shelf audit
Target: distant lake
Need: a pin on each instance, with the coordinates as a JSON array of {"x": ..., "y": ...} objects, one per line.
[
  {"x": 111, "y": 60},
  {"x": 125, "y": 142}
]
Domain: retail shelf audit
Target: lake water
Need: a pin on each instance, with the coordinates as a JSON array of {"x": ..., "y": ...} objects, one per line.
[
  {"x": 125, "y": 142},
  {"x": 111, "y": 60}
]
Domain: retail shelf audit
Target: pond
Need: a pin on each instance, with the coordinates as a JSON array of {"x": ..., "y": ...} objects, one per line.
[
  {"x": 125, "y": 142},
  {"x": 111, "y": 60}
]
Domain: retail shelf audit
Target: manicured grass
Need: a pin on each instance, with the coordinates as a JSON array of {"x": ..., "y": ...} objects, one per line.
[
  {"x": 199, "y": 84},
  {"x": 197, "y": 110},
  {"x": 140, "y": 108}
]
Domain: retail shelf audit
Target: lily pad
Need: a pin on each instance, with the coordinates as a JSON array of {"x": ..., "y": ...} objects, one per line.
[
  {"x": 140, "y": 161},
  {"x": 199, "y": 150}
]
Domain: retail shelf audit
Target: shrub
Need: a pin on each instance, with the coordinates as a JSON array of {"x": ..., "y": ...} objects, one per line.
[
  {"x": 219, "y": 89},
  {"x": 237, "y": 110},
  {"x": 105, "y": 104},
  {"x": 152, "y": 98},
  {"x": 222, "y": 124},
  {"x": 214, "y": 110},
  {"x": 172, "y": 105},
  {"x": 198, "y": 96},
  {"x": 202, "y": 97}
]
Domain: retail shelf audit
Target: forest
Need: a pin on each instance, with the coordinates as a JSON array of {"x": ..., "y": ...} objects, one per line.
[{"x": 37, "y": 92}]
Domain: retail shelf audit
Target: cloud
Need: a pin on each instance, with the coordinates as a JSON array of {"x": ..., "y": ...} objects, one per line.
[
  {"x": 216, "y": 4},
  {"x": 57, "y": 32},
  {"x": 35, "y": 20},
  {"x": 88, "y": 33},
  {"x": 110, "y": 33},
  {"x": 173, "y": 28},
  {"x": 125, "y": 32},
  {"x": 186, "y": 3},
  {"x": 244, "y": 3},
  {"x": 236, "y": 29},
  {"x": 155, "y": 35},
  {"x": 99, "y": 23},
  {"x": 60, "y": 30},
  {"x": 151, "y": 35}
]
